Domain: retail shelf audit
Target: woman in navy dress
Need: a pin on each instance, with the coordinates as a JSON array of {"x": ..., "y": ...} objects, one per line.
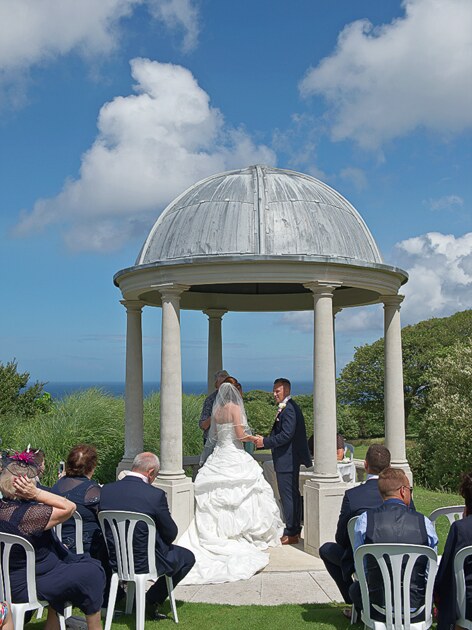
[
  {"x": 61, "y": 576},
  {"x": 78, "y": 486},
  {"x": 460, "y": 536}
]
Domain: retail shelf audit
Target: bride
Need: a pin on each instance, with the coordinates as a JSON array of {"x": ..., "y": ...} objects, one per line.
[{"x": 236, "y": 516}]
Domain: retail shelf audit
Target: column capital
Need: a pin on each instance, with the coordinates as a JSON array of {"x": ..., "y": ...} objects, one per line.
[
  {"x": 132, "y": 305},
  {"x": 392, "y": 300},
  {"x": 171, "y": 289},
  {"x": 215, "y": 313},
  {"x": 325, "y": 289}
]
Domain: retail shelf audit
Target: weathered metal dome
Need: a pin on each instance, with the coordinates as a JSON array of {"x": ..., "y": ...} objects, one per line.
[{"x": 260, "y": 211}]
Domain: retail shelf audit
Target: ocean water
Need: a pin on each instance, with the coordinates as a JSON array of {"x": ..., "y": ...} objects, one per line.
[{"x": 60, "y": 389}]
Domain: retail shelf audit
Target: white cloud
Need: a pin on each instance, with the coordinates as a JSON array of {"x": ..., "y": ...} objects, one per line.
[
  {"x": 180, "y": 14},
  {"x": 383, "y": 82},
  {"x": 298, "y": 321},
  {"x": 150, "y": 146},
  {"x": 355, "y": 176},
  {"x": 34, "y": 32},
  {"x": 449, "y": 202},
  {"x": 440, "y": 270}
]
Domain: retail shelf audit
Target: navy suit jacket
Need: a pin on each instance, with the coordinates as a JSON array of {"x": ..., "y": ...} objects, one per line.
[
  {"x": 287, "y": 440},
  {"x": 132, "y": 494},
  {"x": 356, "y": 501},
  {"x": 460, "y": 536}
]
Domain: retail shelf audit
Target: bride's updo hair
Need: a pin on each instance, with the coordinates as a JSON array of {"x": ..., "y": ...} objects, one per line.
[{"x": 231, "y": 380}]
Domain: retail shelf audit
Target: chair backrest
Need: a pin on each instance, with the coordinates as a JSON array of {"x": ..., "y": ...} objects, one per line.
[
  {"x": 348, "y": 450},
  {"x": 79, "y": 530},
  {"x": 7, "y": 541},
  {"x": 122, "y": 525},
  {"x": 350, "y": 530},
  {"x": 396, "y": 574},
  {"x": 451, "y": 512},
  {"x": 460, "y": 584}
]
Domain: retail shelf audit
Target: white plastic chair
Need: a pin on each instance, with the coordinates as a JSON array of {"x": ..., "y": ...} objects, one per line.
[
  {"x": 7, "y": 541},
  {"x": 79, "y": 530},
  {"x": 460, "y": 587},
  {"x": 122, "y": 525},
  {"x": 350, "y": 532},
  {"x": 348, "y": 448},
  {"x": 451, "y": 512},
  {"x": 397, "y": 613}
]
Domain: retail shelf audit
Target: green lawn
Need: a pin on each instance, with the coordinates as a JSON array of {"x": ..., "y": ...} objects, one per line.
[{"x": 213, "y": 616}]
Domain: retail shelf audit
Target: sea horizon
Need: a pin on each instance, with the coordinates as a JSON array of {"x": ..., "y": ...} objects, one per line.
[{"x": 60, "y": 389}]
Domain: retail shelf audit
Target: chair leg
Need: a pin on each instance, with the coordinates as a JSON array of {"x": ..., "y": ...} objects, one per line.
[
  {"x": 170, "y": 590},
  {"x": 111, "y": 600},
  {"x": 130, "y": 592},
  {"x": 140, "y": 603},
  {"x": 18, "y": 617},
  {"x": 353, "y": 615},
  {"x": 62, "y": 621}
]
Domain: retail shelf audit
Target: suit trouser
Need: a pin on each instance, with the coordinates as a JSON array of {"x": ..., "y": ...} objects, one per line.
[
  {"x": 291, "y": 501},
  {"x": 181, "y": 561},
  {"x": 331, "y": 553}
]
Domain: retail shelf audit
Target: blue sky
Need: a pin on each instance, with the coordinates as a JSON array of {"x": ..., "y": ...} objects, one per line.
[{"x": 111, "y": 109}]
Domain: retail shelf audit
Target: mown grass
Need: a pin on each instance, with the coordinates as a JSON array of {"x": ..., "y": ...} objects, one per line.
[{"x": 212, "y": 616}]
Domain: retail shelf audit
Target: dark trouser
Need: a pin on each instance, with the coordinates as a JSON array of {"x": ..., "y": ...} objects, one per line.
[
  {"x": 291, "y": 501},
  {"x": 331, "y": 553},
  {"x": 181, "y": 560}
]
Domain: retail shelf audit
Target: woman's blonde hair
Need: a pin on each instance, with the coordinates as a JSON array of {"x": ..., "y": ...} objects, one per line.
[{"x": 12, "y": 470}]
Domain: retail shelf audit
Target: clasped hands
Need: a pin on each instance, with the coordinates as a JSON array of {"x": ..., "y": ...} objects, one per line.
[{"x": 258, "y": 440}]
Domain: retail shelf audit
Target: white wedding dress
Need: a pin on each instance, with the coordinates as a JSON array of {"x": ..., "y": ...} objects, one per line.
[{"x": 236, "y": 516}]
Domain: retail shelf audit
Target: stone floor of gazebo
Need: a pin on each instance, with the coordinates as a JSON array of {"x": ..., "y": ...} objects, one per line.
[{"x": 291, "y": 577}]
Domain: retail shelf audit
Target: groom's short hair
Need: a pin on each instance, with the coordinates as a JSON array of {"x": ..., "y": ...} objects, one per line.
[{"x": 284, "y": 381}]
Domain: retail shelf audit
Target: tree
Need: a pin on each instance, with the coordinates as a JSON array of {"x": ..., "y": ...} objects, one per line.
[
  {"x": 16, "y": 397},
  {"x": 443, "y": 449},
  {"x": 360, "y": 385}
]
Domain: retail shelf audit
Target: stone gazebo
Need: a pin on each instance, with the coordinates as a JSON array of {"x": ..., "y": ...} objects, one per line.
[{"x": 259, "y": 239}]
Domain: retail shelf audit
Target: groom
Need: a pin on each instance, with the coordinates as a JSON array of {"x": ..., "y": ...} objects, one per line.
[{"x": 288, "y": 443}]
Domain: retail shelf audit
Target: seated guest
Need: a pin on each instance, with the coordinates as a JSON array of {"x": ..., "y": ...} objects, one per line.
[
  {"x": 340, "y": 446},
  {"x": 393, "y": 522},
  {"x": 135, "y": 493},
  {"x": 460, "y": 536},
  {"x": 78, "y": 486},
  {"x": 338, "y": 556},
  {"x": 61, "y": 576}
]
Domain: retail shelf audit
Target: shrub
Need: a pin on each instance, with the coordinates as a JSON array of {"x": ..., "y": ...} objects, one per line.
[
  {"x": 90, "y": 416},
  {"x": 15, "y": 397},
  {"x": 444, "y": 448}
]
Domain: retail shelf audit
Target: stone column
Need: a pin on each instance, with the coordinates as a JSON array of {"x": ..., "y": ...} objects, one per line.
[
  {"x": 171, "y": 478},
  {"x": 394, "y": 402},
  {"x": 323, "y": 492},
  {"x": 215, "y": 345},
  {"x": 134, "y": 384}
]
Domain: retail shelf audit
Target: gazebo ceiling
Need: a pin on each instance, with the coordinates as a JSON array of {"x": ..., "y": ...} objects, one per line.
[{"x": 250, "y": 240}]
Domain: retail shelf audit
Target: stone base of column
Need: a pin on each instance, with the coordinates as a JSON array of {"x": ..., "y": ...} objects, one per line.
[
  {"x": 405, "y": 466},
  {"x": 180, "y": 497},
  {"x": 125, "y": 464},
  {"x": 322, "y": 504}
]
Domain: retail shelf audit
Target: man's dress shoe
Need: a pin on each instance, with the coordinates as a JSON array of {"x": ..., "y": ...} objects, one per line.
[{"x": 290, "y": 540}]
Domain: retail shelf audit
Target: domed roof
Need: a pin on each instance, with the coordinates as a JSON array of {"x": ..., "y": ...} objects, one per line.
[{"x": 260, "y": 211}]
